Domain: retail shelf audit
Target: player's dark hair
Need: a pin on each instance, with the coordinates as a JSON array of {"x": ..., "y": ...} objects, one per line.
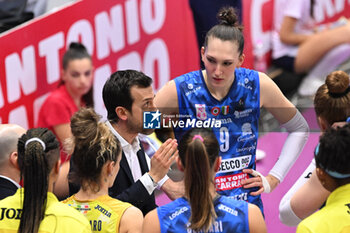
[
  {"x": 94, "y": 145},
  {"x": 228, "y": 28},
  {"x": 36, "y": 163},
  {"x": 78, "y": 51},
  {"x": 116, "y": 91},
  {"x": 332, "y": 99},
  {"x": 334, "y": 152},
  {"x": 198, "y": 157}
]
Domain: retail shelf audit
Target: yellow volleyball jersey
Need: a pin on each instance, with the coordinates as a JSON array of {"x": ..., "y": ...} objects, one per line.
[
  {"x": 104, "y": 213},
  {"x": 333, "y": 217},
  {"x": 58, "y": 217}
]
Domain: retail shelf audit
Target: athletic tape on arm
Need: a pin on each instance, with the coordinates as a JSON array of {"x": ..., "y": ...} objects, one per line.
[{"x": 266, "y": 184}]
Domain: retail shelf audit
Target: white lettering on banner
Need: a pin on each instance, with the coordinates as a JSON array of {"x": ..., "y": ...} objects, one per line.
[
  {"x": 109, "y": 31},
  {"x": 16, "y": 117},
  {"x": 235, "y": 164},
  {"x": 329, "y": 7},
  {"x": 101, "y": 75},
  {"x": 151, "y": 24},
  {"x": 104, "y": 33},
  {"x": 132, "y": 22},
  {"x": 20, "y": 73},
  {"x": 339, "y": 5},
  {"x": 229, "y": 182},
  {"x": 157, "y": 52},
  {"x": 49, "y": 49},
  {"x": 37, "y": 105},
  {"x": 131, "y": 60},
  {"x": 81, "y": 31}
]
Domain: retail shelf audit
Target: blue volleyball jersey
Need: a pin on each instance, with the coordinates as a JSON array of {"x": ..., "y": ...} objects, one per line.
[
  {"x": 234, "y": 120},
  {"x": 232, "y": 216}
]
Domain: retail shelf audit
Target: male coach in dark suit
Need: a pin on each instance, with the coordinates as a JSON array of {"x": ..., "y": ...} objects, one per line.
[
  {"x": 126, "y": 95},
  {"x": 9, "y": 171}
]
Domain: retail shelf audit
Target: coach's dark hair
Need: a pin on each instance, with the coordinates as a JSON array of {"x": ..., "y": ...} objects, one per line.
[
  {"x": 94, "y": 145},
  {"x": 334, "y": 152},
  {"x": 116, "y": 91},
  {"x": 332, "y": 99},
  {"x": 35, "y": 164},
  {"x": 198, "y": 157},
  {"x": 228, "y": 28},
  {"x": 78, "y": 51}
]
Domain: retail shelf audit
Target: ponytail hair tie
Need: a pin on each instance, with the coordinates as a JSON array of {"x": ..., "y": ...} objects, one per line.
[
  {"x": 339, "y": 95},
  {"x": 197, "y": 136},
  {"x": 35, "y": 140}
]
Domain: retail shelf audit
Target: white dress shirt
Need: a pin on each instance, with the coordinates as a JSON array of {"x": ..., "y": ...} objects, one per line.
[{"x": 130, "y": 152}]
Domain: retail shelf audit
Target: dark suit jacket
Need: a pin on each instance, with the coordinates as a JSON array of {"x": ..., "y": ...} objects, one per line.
[
  {"x": 125, "y": 189},
  {"x": 7, "y": 188}
]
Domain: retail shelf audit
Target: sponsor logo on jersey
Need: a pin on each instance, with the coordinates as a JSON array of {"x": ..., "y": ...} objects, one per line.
[
  {"x": 245, "y": 149},
  {"x": 225, "y": 109},
  {"x": 215, "y": 111},
  {"x": 247, "y": 133},
  {"x": 10, "y": 213},
  {"x": 81, "y": 207},
  {"x": 103, "y": 211},
  {"x": 190, "y": 87},
  {"x": 228, "y": 209},
  {"x": 178, "y": 212},
  {"x": 240, "y": 105},
  {"x": 201, "y": 114},
  {"x": 244, "y": 113},
  {"x": 235, "y": 164},
  {"x": 229, "y": 182},
  {"x": 348, "y": 205},
  {"x": 240, "y": 197},
  {"x": 245, "y": 84},
  {"x": 225, "y": 120}
]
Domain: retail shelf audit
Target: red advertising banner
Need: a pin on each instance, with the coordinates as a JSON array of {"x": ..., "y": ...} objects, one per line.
[{"x": 154, "y": 36}]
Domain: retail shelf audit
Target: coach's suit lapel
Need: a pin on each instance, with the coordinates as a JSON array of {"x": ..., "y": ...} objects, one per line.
[{"x": 125, "y": 166}]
